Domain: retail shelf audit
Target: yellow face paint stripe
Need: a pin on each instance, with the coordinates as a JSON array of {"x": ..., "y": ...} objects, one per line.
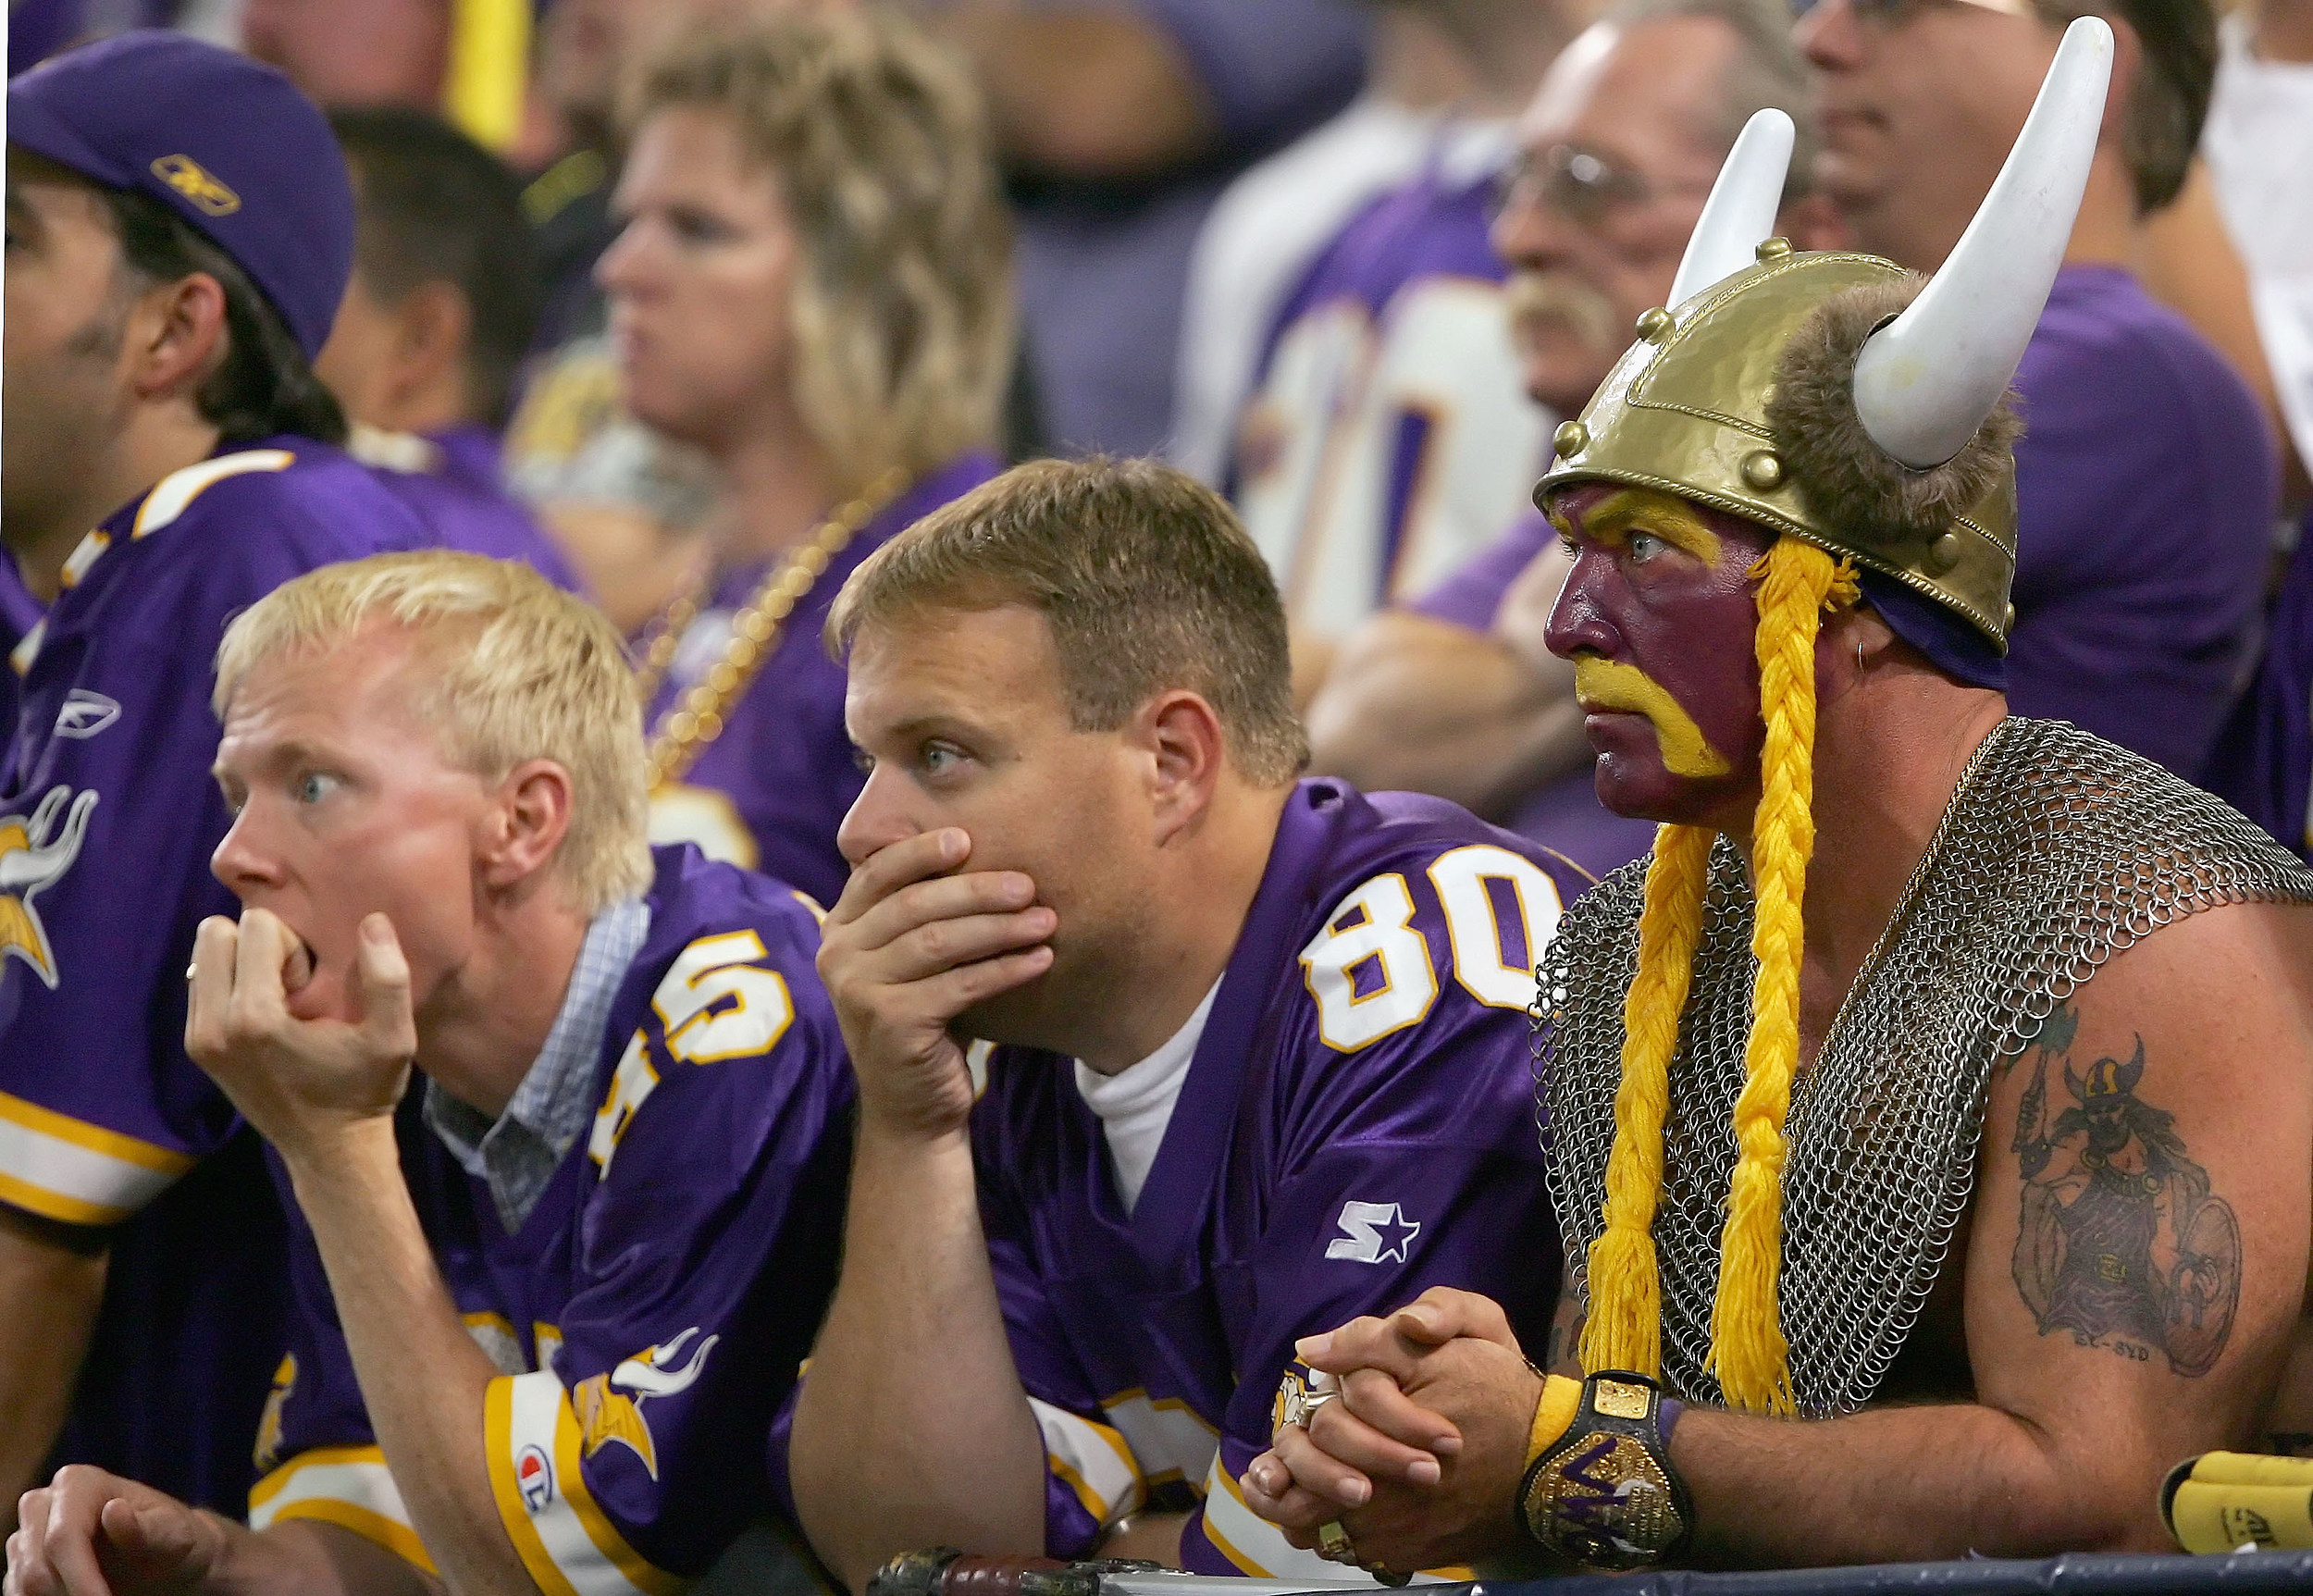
[
  {"x": 1609, "y": 685},
  {"x": 1674, "y": 521}
]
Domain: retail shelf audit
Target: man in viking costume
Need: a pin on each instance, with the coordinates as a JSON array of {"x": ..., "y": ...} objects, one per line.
[{"x": 1983, "y": 1147}]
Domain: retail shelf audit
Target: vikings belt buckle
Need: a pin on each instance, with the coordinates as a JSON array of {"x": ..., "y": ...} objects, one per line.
[{"x": 1297, "y": 1399}]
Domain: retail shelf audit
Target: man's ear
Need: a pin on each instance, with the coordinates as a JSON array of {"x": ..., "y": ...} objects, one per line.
[
  {"x": 176, "y": 336},
  {"x": 1183, "y": 738},
  {"x": 526, "y": 828},
  {"x": 1851, "y": 643},
  {"x": 432, "y": 327}
]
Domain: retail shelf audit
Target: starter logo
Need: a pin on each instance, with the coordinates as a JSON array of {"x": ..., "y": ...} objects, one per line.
[
  {"x": 607, "y": 1416},
  {"x": 35, "y": 851},
  {"x": 1373, "y": 1233},
  {"x": 534, "y": 1477}
]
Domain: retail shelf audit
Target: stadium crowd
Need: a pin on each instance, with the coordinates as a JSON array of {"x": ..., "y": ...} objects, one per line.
[{"x": 789, "y": 781}]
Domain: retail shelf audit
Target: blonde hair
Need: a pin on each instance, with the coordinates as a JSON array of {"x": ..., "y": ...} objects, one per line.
[
  {"x": 1798, "y": 582},
  {"x": 903, "y": 311},
  {"x": 519, "y": 670},
  {"x": 1141, "y": 572}
]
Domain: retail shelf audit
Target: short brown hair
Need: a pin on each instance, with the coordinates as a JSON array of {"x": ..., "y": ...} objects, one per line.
[
  {"x": 876, "y": 140},
  {"x": 2169, "y": 101},
  {"x": 1143, "y": 574}
]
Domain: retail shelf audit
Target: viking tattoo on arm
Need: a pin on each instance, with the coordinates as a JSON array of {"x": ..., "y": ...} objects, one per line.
[{"x": 2123, "y": 1243}]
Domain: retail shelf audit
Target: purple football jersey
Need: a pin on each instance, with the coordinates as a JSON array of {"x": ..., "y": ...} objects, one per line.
[
  {"x": 770, "y": 790},
  {"x": 2263, "y": 762},
  {"x": 650, "y": 1314},
  {"x": 108, "y": 819},
  {"x": 2146, "y": 485},
  {"x": 463, "y": 500},
  {"x": 1388, "y": 435},
  {"x": 1356, "y": 1126}
]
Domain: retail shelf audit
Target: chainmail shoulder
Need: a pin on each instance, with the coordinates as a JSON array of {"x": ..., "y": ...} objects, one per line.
[{"x": 2058, "y": 852}]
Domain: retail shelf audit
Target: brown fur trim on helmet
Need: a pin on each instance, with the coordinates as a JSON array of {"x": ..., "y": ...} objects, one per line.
[{"x": 1849, "y": 480}]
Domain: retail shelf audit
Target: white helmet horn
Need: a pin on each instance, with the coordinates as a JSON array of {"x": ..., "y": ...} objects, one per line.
[
  {"x": 1742, "y": 207},
  {"x": 1925, "y": 382}
]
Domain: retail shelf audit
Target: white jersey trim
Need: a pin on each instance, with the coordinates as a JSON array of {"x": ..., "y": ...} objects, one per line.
[
  {"x": 1093, "y": 1460},
  {"x": 179, "y": 488},
  {"x": 348, "y": 1486},
  {"x": 531, "y": 1439},
  {"x": 83, "y": 1174}
]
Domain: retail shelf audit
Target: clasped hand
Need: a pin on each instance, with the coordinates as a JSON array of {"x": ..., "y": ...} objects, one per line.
[
  {"x": 299, "y": 1081},
  {"x": 1420, "y": 1457}
]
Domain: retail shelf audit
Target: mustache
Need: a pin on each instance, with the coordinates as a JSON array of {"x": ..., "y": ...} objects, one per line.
[
  {"x": 1607, "y": 685},
  {"x": 1538, "y": 299}
]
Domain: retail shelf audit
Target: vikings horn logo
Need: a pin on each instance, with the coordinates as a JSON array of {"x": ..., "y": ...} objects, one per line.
[
  {"x": 34, "y": 853},
  {"x": 607, "y": 1416}
]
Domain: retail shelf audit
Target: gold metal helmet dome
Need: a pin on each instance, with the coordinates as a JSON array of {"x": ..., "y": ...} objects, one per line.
[{"x": 1833, "y": 396}]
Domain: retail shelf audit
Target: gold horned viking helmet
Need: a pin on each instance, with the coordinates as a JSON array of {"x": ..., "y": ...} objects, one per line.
[
  {"x": 1833, "y": 397},
  {"x": 1819, "y": 395}
]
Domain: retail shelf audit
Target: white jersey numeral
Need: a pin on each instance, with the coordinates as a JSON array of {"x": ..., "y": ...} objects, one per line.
[
  {"x": 699, "y": 1030},
  {"x": 633, "y": 1081},
  {"x": 1369, "y": 970},
  {"x": 1481, "y": 953}
]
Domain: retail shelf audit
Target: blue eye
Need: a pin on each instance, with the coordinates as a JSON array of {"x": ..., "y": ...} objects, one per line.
[
  {"x": 315, "y": 787},
  {"x": 1645, "y": 546}
]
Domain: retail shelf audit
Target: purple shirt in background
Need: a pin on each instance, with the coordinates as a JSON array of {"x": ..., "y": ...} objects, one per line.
[
  {"x": 1564, "y": 813},
  {"x": 464, "y": 500},
  {"x": 106, "y": 1121},
  {"x": 1357, "y": 1125},
  {"x": 2146, "y": 485},
  {"x": 1104, "y": 265},
  {"x": 2263, "y": 763},
  {"x": 650, "y": 1314},
  {"x": 770, "y": 792},
  {"x": 2146, "y": 488}
]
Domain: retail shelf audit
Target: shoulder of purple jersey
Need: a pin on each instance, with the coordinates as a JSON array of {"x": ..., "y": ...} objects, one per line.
[
  {"x": 212, "y": 538},
  {"x": 1419, "y": 828},
  {"x": 693, "y": 897}
]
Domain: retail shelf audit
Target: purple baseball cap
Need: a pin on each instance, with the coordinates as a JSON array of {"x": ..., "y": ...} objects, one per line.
[{"x": 228, "y": 144}]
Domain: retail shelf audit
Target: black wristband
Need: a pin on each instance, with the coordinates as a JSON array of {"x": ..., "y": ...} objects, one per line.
[{"x": 1604, "y": 1494}]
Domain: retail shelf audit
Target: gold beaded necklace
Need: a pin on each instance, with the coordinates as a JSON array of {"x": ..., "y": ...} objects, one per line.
[{"x": 685, "y": 732}]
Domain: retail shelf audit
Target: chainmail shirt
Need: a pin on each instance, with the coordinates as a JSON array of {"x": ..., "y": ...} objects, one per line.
[{"x": 2057, "y": 851}]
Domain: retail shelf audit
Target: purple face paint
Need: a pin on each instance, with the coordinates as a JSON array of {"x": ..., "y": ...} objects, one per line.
[{"x": 1659, "y": 586}]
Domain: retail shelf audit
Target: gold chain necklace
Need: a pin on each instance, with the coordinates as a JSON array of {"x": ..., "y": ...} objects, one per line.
[{"x": 685, "y": 732}]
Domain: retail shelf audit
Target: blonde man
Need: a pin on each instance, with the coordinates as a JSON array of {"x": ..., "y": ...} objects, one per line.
[
  {"x": 813, "y": 289},
  {"x": 544, "y": 1320}
]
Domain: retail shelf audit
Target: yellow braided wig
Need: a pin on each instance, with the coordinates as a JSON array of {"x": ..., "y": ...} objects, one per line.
[
  {"x": 1797, "y": 584},
  {"x": 1625, "y": 1328}
]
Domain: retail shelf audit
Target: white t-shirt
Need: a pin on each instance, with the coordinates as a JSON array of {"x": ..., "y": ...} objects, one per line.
[{"x": 1135, "y": 1103}]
